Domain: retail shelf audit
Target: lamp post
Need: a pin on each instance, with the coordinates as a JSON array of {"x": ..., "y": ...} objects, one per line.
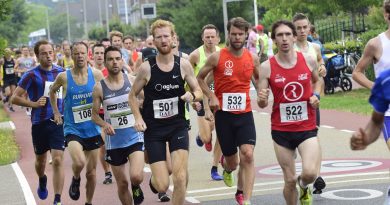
[
  {"x": 107, "y": 20},
  {"x": 48, "y": 24},
  {"x": 85, "y": 18},
  {"x": 67, "y": 19}
]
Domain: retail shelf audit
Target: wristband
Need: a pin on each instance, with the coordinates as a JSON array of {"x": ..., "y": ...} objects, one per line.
[
  {"x": 193, "y": 96},
  {"x": 317, "y": 95}
]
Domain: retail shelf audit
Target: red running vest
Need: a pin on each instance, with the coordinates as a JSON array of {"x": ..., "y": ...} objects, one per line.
[
  {"x": 292, "y": 90},
  {"x": 232, "y": 78}
]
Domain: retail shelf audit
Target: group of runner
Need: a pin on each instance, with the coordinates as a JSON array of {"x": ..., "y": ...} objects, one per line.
[{"x": 136, "y": 103}]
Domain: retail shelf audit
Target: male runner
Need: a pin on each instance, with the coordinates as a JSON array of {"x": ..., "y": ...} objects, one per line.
[
  {"x": 81, "y": 134},
  {"x": 376, "y": 52},
  {"x": 162, "y": 78},
  {"x": 302, "y": 25},
  {"x": 210, "y": 38},
  {"x": 290, "y": 75},
  {"x": 232, "y": 69},
  {"x": 9, "y": 77},
  {"x": 123, "y": 142},
  {"x": 98, "y": 58},
  {"x": 116, "y": 40},
  {"x": 46, "y": 134},
  {"x": 67, "y": 61}
]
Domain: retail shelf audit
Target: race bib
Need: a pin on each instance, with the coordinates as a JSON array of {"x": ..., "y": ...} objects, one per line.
[
  {"x": 82, "y": 113},
  {"x": 122, "y": 120},
  {"x": 233, "y": 101},
  {"x": 166, "y": 108},
  {"x": 9, "y": 71},
  {"x": 293, "y": 112},
  {"x": 48, "y": 85}
]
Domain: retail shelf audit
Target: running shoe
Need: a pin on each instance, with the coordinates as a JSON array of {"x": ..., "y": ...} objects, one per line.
[
  {"x": 74, "y": 189},
  {"x": 107, "y": 178},
  {"x": 163, "y": 197},
  {"x": 138, "y": 195},
  {"x": 247, "y": 203},
  {"x": 305, "y": 196},
  {"x": 228, "y": 178},
  {"x": 240, "y": 199},
  {"x": 208, "y": 146},
  {"x": 11, "y": 109},
  {"x": 57, "y": 203},
  {"x": 199, "y": 141},
  {"x": 319, "y": 185},
  {"x": 42, "y": 190},
  {"x": 215, "y": 175}
]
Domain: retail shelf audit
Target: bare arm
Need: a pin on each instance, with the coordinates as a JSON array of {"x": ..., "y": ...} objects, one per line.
[
  {"x": 320, "y": 60},
  {"x": 367, "y": 59},
  {"x": 18, "y": 98},
  {"x": 255, "y": 75},
  {"x": 263, "y": 85},
  {"x": 196, "y": 93},
  {"x": 140, "y": 81},
  {"x": 362, "y": 138},
  {"x": 59, "y": 81},
  {"x": 194, "y": 58},
  {"x": 261, "y": 43}
]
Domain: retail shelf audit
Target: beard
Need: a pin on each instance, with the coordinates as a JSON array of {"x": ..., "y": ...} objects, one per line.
[
  {"x": 114, "y": 71},
  {"x": 237, "y": 47},
  {"x": 165, "y": 50}
]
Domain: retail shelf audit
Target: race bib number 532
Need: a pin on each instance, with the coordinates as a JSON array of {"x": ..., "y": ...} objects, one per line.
[
  {"x": 233, "y": 101},
  {"x": 293, "y": 112}
]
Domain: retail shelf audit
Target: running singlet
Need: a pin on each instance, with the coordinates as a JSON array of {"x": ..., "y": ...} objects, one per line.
[
  {"x": 26, "y": 63},
  {"x": 134, "y": 56},
  {"x": 78, "y": 104},
  {"x": 311, "y": 51},
  {"x": 292, "y": 90},
  {"x": 202, "y": 59},
  {"x": 105, "y": 74},
  {"x": 9, "y": 69},
  {"x": 68, "y": 64},
  {"x": 37, "y": 83},
  {"x": 380, "y": 93},
  {"x": 162, "y": 105},
  {"x": 383, "y": 62},
  {"x": 118, "y": 113},
  {"x": 232, "y": 78}
]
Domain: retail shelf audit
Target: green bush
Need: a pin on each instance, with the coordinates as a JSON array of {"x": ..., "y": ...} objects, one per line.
[{"x": 338, "y": 47}]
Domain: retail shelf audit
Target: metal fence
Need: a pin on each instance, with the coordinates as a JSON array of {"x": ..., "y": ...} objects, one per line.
[{"x": 339, "y": 29}]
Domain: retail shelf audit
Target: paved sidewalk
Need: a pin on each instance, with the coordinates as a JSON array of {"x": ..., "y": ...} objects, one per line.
[{"x": 11, "y": 192}]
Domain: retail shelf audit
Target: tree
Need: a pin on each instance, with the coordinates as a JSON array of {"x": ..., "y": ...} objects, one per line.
[
  {"x": 5, "y": 8},
  {"x": 59, "y": 28},
  {"x": 14, "y": 22},
  {"x": 189, "y": 16}
]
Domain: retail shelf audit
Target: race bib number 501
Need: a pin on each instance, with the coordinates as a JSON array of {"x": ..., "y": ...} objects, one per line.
[
  {"x": 165, "y": 108},
  {"x": 293, "y": 112}
]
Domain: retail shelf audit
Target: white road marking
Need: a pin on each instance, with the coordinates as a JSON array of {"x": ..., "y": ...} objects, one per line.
[
  {"x": 12, "y": 125},
  {"x": 349, "y": 131},
  {"x": 28, "y": 195},
  {"x": 326, "y": 126}
]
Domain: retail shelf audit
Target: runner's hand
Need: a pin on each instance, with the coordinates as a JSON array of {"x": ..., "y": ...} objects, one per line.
[
  {"x": 196, "y": 106},
  {"x": 40, "y": 102},
  {"x": 187, "y": 97},
  {"x": 108, "y": 129},
  {"x": 314, "y": 101},
  {"x": 58, "y": 118},
  {"x": 263, "y": 95},
  {"x": 208, "y": 115},
  {"x": 140, "y": 125},
  {"x": 322, "y": 70},
  {"x": 214, "y": 103},
  {"x": 357, "y": 140}
]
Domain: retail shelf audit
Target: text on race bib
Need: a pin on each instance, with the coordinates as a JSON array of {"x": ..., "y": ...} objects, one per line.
[
  {"x": 165, "y": 108},
  {"x": 293, "y": 112},
  {"x": 48, "y": 85},
  {"x": 82, "y": 113},
  {"x": 122, "y": 120},
  {"x": 9, "y": 71},
  {"x": 233, "y": 101}
]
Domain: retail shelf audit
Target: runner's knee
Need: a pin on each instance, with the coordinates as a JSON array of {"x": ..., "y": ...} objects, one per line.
[{"x": 136, "y": 178}]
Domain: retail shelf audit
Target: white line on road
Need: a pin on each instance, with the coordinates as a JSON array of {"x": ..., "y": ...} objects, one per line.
[
  {"x": 349, "y": 131},
  {"x": 28, "y": 195},
  {"x": 282, "y": 182},
  {"x": 326, "y": 126},
  {"x": 12, "y": 125}
]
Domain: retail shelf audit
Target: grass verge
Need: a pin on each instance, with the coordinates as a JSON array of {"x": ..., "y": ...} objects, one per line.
[
  {"x": 9, "y": 150},
  {"x": 355, "y": 101}
]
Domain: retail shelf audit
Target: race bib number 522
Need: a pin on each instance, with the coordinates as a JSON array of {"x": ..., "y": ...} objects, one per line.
[{"x": 293, "y": 112}]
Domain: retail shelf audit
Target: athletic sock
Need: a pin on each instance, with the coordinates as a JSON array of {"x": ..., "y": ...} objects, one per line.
[
  {"x": 57, "y": 198},
  {"x": 239, "y": 192},
  {"x": 214, "y": 169},
  {"x": 42, "y": 182}
]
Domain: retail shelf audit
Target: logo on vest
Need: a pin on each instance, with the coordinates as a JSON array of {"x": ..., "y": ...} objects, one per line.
[
  {"x": 302, "y": 76},
  {"x": 160, "y": 87},
  {"x": 228, "y": 68},
  {"x": 279, "y": 78},
  {"x": 293, "y": 91}
]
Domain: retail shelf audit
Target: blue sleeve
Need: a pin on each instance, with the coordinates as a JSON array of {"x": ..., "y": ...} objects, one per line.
[
  {"x": 378, "y": 98},
  {"x": 25, "y": 81}
]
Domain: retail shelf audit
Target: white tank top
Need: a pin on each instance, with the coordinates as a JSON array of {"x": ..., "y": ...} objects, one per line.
[{"x": 383, "y": 62}]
